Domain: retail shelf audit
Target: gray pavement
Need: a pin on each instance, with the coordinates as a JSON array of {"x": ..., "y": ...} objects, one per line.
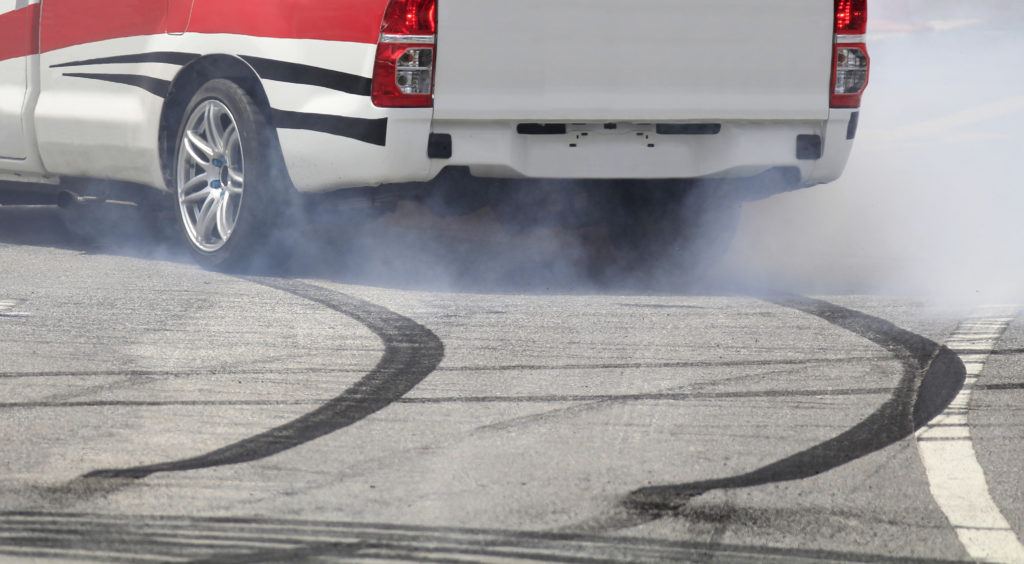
[{"x": 527, "y": 438}]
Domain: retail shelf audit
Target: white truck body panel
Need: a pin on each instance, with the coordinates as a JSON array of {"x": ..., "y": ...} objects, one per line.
[
  {"x": 637, "y": 60},
  {"x": 13, "y": 93},
  {"x": 13, "y": 89},
  {"x": 121, "y": 125}
]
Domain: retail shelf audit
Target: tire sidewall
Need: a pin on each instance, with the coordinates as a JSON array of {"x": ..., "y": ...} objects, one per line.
[{"x": 263, "y": 173}]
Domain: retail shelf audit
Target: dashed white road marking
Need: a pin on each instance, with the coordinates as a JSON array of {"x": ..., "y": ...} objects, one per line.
[
  {"x": 956, "y": 478},
  {"x": 6, "y": 305}
]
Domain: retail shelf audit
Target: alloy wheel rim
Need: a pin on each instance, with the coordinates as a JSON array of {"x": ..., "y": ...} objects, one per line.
[{"x": 211, "y": 175}]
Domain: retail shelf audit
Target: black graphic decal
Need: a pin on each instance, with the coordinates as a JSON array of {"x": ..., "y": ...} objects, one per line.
[
  {"x": 168, "y": 57},
  {"x": 149, "y": 84},
  {"x": 281, "y": 71},
  {"x": 374, "y": 131}
]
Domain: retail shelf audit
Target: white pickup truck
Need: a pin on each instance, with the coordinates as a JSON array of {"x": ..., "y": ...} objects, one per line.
[{"x": 233, "y": 106}]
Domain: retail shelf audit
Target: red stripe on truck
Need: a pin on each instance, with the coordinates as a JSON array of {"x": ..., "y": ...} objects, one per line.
[
  {"x": 332, "y": 20},
  {"x": 66, "y": 23},
  {"x": 76, "y": 22},
  {"x": 16, "y": 37}
]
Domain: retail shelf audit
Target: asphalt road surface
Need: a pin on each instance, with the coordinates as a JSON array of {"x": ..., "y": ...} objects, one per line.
[
  {"x": 156, "y": 411},
  {"x": 847, "y": 387}
]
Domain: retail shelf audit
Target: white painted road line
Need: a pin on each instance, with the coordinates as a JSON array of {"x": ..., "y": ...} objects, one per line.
[
  {"x": 6, "y": 305},
  {"x": 956, "y": 478}
]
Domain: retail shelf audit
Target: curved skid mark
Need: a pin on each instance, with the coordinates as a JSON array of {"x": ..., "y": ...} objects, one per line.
[
  {"x": 932, "y": 376},
  {"x": 411, "y": 352}
]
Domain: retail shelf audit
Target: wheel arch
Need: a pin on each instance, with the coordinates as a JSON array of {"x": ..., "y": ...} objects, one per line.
[{"x": 185, "y": 85}]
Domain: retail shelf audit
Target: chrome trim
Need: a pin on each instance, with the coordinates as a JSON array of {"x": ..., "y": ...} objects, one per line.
[
  {"x": 418, "y": 39},
  {"x": 838, "y": 39}
]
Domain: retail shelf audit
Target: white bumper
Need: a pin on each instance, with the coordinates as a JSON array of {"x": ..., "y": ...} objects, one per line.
[
  {"x": 633, "y": 150},
  {"x": 319, "y": 162}
]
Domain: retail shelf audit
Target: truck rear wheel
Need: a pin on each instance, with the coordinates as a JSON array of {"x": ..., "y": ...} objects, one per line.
[{"x": 229, "y": 177}]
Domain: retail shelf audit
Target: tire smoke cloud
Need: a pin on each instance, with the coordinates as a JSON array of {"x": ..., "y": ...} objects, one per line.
[{"x": 931, "y": 201}]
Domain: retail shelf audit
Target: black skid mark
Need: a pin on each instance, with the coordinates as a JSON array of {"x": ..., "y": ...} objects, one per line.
[
  {"x": 94, "y": 537},
  {"x": 932, "y": 376},
  {"x": 411, "y": 352}
]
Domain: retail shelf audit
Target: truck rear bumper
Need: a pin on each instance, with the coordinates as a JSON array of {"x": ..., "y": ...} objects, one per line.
[{"x": 730, "y": 149}]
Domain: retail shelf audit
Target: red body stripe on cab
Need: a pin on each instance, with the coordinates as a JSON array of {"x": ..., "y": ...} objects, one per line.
[
  {"x": 17, "y": 37},
  {"x": 332, "y": 20},
  {"x": 75, "y": 22}
]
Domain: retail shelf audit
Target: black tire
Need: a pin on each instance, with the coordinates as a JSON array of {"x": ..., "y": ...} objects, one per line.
[
  {"x": 684, "y": 230},
  {"x": 233, "y": 149}
]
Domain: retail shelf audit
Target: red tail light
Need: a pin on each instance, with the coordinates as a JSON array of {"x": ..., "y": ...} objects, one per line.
[
  {"x": 850, "y": 61},
  {"x": 410, "y": 17},
  {"x": 850, "y": 65},
  {"x": 851, "y": 17},
  {"x": 403, "y": 71}
]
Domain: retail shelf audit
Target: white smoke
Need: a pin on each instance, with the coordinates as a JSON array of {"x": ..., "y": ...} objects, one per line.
[{"x": 931, "y": 203}]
